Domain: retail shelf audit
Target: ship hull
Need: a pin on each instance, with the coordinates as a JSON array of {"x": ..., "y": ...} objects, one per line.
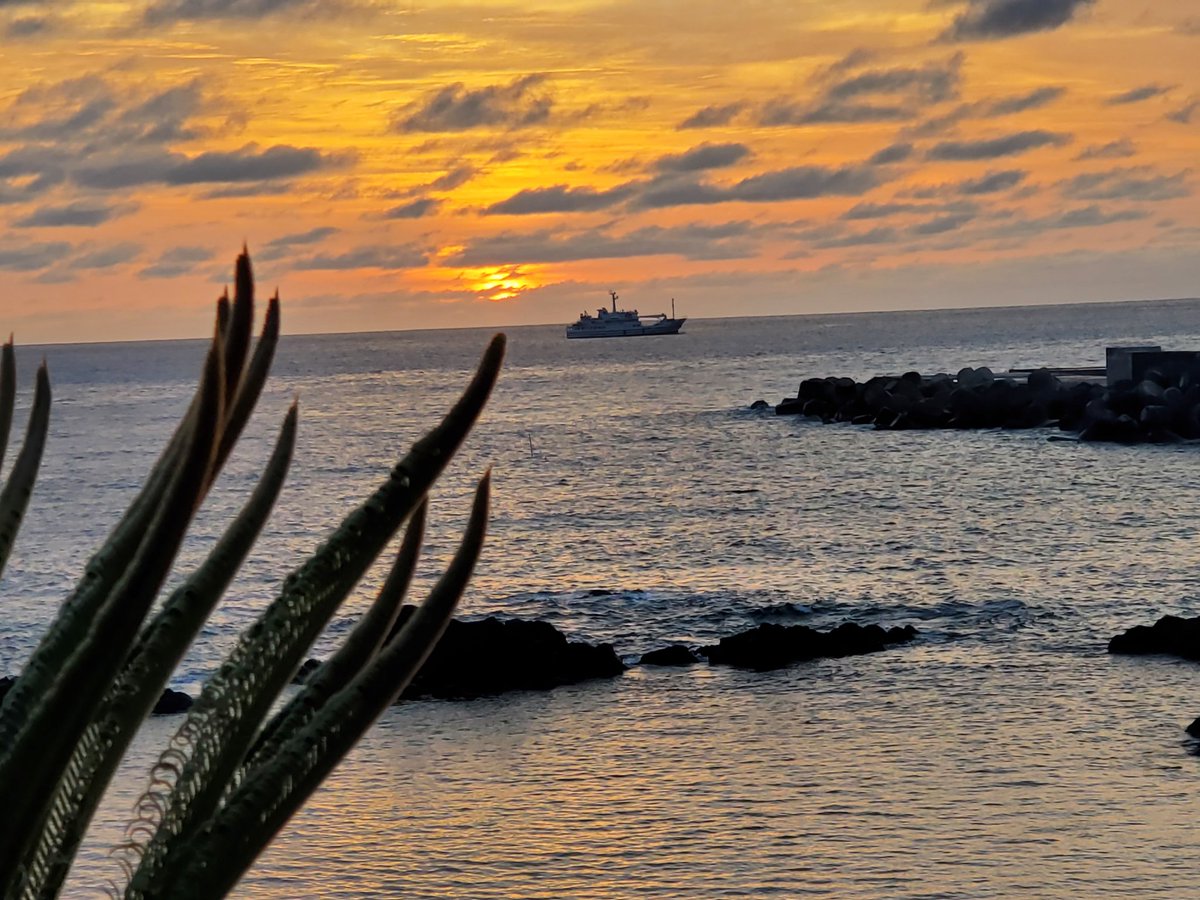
[{"x": 666, "y": 326}]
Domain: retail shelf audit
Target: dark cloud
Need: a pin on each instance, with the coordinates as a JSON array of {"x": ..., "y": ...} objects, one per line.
[
  {"x": 882, "y": 210},
  {"x": 992, "y": 148},
  {"x": 415, "y": 209},
  {"x": 251, "y": 189},
  {"x": 251, "y": 164},
  {"x": 560, "y": 198},
  {"x": 731, "y": 240},
  {"x": 880, "y": 235},
  {"x": 31, "y": 257},
  {"x": 992, "y": 182},
  {"x": 1138, "y": 94},
  {"x": 705, "y": 156},
  {"x": 105, "y": 258},
  {"x": 456, "y": 177},
  {"x": 873, "y": 95},
  {"x": 302, "y": 238},
  {"x": 798, "y": 183},
  {"x": 1184, "y": 114},
  {"x": 366, "y": 258},
  {"x": 177, "y": 261},
  {"x": 1091, "y": 217},
  {"x": 1035, "y": 99},
  {"x": 1119, "y": 149},
  {"x": 941, "y": 224},
  {"x": 1136, "y": 183},
  {"x": 167, "y": 11},
  {"x": 893, "y": 153},
  {"x": 28, "y": 26},
  {"x": 1189, "y": 27},
  {"x": 995, "y": 19},
  {"x": 712, "y": 116},
  {"x": 457, "y": 108},
  {"x": 73, "y": 214}
]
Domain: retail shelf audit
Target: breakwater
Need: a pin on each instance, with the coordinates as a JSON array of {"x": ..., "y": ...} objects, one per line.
[{"x": 1161, "y": 406}]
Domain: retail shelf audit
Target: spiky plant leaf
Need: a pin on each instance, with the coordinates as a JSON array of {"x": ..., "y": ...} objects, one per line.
[
  {"x": 221, "y": 724},
  {"x": 19, "y": 486},
  {"x": 8, "y": 393},
  {"x": 31, "y": 766},
  {"x": 210, "y": 865},
  {"x": 108, "y": 564},
  {"x": 359, "y": 648},
  {"x": 158, "y": 650}
]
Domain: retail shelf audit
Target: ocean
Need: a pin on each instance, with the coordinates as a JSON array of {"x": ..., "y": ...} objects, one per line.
[{"x": 638, "y": 500}]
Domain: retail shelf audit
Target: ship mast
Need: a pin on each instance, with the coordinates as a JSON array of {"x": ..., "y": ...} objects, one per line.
[{"x": 613, "y": 294}]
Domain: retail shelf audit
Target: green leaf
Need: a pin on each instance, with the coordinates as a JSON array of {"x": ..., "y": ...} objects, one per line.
[{"x": 17, "y": 489}]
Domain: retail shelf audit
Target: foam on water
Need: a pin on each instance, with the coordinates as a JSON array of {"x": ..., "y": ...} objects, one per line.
[{"x": 639, "y": 501}]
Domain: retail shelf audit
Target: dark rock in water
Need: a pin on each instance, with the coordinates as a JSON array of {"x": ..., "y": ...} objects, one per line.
[
  {"x": 760, "y": 404},
  {"x": 1171, "y": 635},
  {"x": 171, "y": 703},
  {"x": 493, "y": 656},
  {"x": 675, "y": 655},
  {"x": 1194, "y": 728},
  {"x": 305, "y": 671},
  {"x": 168, "y": 704},
  {"x": 773, "y": 646}
]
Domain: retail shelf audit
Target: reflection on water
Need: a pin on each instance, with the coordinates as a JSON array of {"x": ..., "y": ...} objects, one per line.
[{"x": 639, "y": 501}]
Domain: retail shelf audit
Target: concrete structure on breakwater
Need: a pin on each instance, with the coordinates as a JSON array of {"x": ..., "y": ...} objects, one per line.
[{"x": 1143, "y": 394}]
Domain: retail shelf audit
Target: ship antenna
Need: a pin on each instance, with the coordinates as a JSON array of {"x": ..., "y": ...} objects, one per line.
[
  {"x": 613, "y": 294},
  {"x": 672, "y": 307}
]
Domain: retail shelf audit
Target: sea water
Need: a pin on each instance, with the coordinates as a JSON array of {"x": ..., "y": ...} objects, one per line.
[{"x": 638, "y": 500}]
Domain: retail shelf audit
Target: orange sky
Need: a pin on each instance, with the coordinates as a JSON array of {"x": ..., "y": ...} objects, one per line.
[{"x": 399, "y": 165}]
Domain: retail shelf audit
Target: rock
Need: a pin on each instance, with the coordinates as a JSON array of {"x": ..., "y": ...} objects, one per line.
[
  {"x": 5, "y": 683},
  {"x": 172, "y": 703},
  {"x": 760, "y": 404},
  {"x": 1171, "y": 635},
  {"x": 1194, "y": 729},
  {"x": 493, "y": 656},
  {"x": 772, "y": 646},
  {"x": 675, "y": 655}
]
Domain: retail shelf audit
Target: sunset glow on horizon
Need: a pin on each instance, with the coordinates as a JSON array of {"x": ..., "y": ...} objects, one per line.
[{"x": 486, "y": 163}]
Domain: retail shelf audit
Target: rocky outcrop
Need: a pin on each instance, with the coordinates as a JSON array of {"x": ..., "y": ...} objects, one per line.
[
  {"x": 1171, "y": 635},
  {"x": 772, "y": 646},
  {"x": 1163, "y": 407},
  {"x": 170, "y": 703},
  {"x": 675, "y": 655}
]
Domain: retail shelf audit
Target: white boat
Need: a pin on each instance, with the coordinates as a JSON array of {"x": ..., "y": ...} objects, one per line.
[{"x": 623, "y": 323}]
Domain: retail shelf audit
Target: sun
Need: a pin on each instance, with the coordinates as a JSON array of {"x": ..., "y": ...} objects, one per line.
[{"x": 498, "y": 284}]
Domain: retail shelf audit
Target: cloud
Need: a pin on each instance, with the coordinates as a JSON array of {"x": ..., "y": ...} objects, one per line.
[
  {"x": 1118, "y": 149},
  {"x": 996, "y": 19},
  {"x": 1190, "y": 26},
  {"x": 457, "y": 108},
  {"x": 991, "y": 148},
  {"x": 366, "y": 258},
  {"x": 1183, "y": 115},
  {"x": 893, "y": 153},
  {"x": 28, "y": 26},
  {"x": 416, "y": 209},
  {"x": 1136, "y": 183},
  {"x": 797, "y": 183},
  {"x": 73, "y": 214},
  {"x": 704, "y": 156},
  {"x": 169, "y": 11},
  {"x": 1035, "y": 99},
  {"x": 992, "y": 182},
  {"x": 872, "y": 95},
  {"x": 251, "y": 164},
  {"x": 711, "y": 116},
  {"x": 105, "y": 258},
  {"x": 560, "y": 198},
  {"x": 31, "y": 257},
  {"x": 941, "y": 224},
  {"x": 1138, "y": 94},
  {"x": 456, "y": 177},
  {"x": 882, "y": 210},
  {"x": 881, "y": 235},
  {"x": 729, "y": 240},
  {"x": 177, "y": 261}
]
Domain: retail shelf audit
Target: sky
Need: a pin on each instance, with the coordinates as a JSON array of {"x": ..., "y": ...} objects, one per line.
[{"x": 398, "y": 165}]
